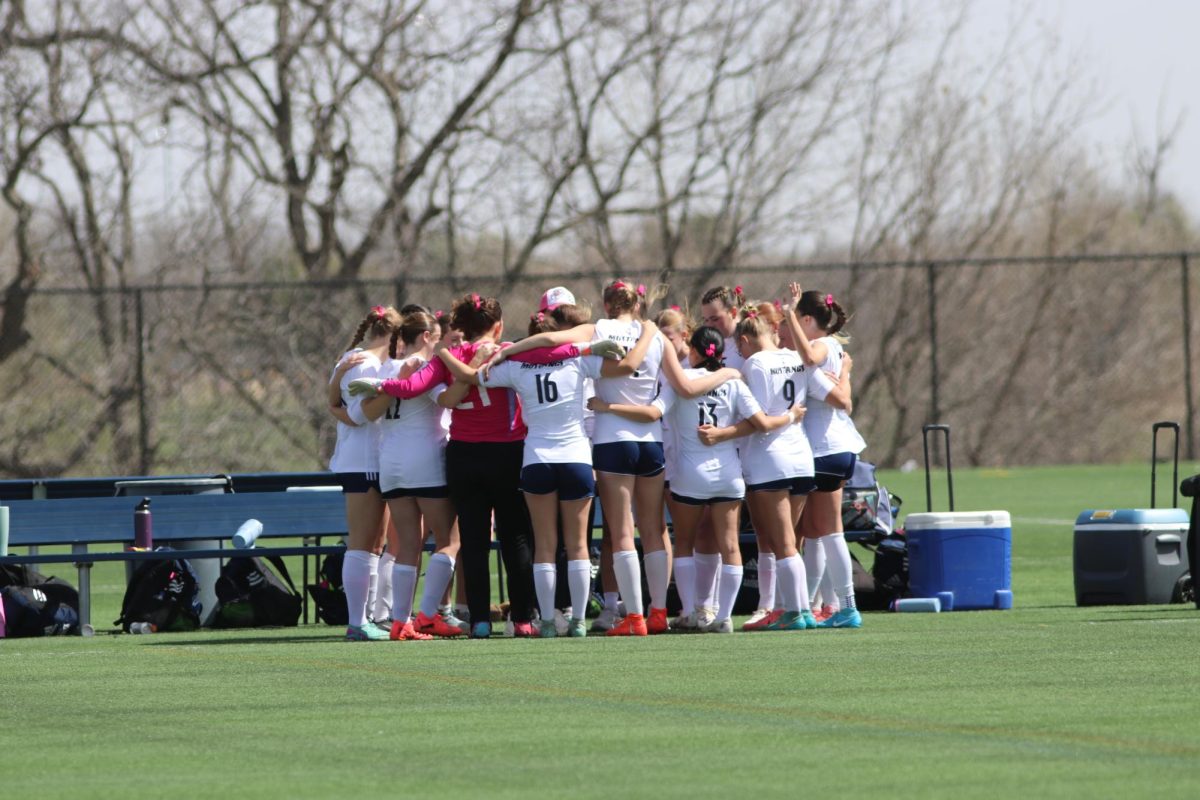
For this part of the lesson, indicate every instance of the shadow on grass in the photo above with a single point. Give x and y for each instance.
(169, 640)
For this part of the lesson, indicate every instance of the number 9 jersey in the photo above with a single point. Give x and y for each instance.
(778, 380)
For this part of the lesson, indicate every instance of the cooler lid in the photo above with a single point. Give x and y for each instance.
(946, 520)
(1100, 518)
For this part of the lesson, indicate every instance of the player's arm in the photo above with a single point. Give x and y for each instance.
(810, 352)
(580, 333)
(334, 390)
(689, 388)
(634, 413)
(375, 407)
(757, 422)
(835, 389)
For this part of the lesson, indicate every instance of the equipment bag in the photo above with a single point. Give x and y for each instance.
(250, 594)
(49, 608)
(164, 593)
(328, 594)
(866, 505)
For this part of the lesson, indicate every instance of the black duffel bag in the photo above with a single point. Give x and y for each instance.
(251, 595)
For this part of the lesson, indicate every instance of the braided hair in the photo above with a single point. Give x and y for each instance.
(380, 321)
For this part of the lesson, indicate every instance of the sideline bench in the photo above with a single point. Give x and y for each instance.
(81, 522)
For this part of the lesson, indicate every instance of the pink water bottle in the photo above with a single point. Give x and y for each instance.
(142, 536)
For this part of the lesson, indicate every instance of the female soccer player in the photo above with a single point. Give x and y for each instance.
(814, 321)
(356, 460)
(556, 473)
(412, 475)
(707, 476)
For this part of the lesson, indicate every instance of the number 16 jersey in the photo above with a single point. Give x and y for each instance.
(552, 405)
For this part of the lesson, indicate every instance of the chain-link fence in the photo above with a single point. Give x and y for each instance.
(1051, 360)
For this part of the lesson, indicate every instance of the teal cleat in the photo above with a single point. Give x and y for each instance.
(546, 629)
(367, 632)
(481, 630)
(809, 619)
(845, 618)
(577, 628)
(788, 621)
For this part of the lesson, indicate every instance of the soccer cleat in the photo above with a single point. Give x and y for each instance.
(656, 621)
(763, 623)
(366, 633)
(704, 615)
(823, 613)
(523, 630)
(436, 626)
(684, 623)
(481, 630)
(788, 621)
(631, 625)
(602, 623)
(405, 632)
(720, 626)
(577, 628)
(547, 629)
(809, 620)
(846, 618)
(758, 615)
(451, 618)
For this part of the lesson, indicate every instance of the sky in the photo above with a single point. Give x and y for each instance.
(1145, 57)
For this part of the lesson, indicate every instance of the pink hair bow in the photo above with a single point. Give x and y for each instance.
(439, 314)
(379, 311)
(641, 290)
(711, 350)
(477, 301)
(829, 300)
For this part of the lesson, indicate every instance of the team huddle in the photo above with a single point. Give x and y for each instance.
(445, 428)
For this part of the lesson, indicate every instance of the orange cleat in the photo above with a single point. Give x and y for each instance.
(405, 632)
(657, 621)
(631, 625)
(436, 626)
(823, 613)
(762, 622)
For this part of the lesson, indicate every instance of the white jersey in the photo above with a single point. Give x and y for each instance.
(357, 448)
(778, 381)
(830, 430)
(412, 441)
(732, 356)
(637, 389)
(551, 404)
(701, 471)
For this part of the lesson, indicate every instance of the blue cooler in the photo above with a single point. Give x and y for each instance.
(1129, 556)
(963, 558)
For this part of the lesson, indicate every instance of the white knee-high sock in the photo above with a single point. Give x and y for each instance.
(404, 581)
(766, 580)
(685, 583)
(373, 587)
(785, 594)
(579, 579)
(828, 595)
(383, 594)
(545, 580)
(814, 564)
(629, 579)
(707, 567)
(437, 577)
(731, 582)
(658, 576)
(841, 571)
(356, 581)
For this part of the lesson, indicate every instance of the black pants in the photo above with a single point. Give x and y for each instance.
(484, 477)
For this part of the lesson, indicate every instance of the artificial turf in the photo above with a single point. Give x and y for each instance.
(1046, 700)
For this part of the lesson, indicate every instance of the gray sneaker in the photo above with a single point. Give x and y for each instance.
(605, 621)
(719, 626)
(448, 615)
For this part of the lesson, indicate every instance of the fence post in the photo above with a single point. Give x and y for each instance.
(1189, 407)
(935, 411)
(139, 322)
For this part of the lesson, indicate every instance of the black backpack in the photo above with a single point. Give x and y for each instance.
(328, 594)
(49, 607)
(250, 594)
(164, 593)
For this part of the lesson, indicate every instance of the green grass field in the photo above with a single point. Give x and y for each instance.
(1046, 700)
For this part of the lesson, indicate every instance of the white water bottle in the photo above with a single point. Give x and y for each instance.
(247, 533)
(926, 604)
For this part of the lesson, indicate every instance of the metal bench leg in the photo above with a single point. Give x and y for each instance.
(85, 585)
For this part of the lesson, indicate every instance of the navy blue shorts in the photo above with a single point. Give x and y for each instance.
(642, 459)
(833, 469)
(803, 485)
(571, 481)
(358, 482)
(703, 501)
(426, 492)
